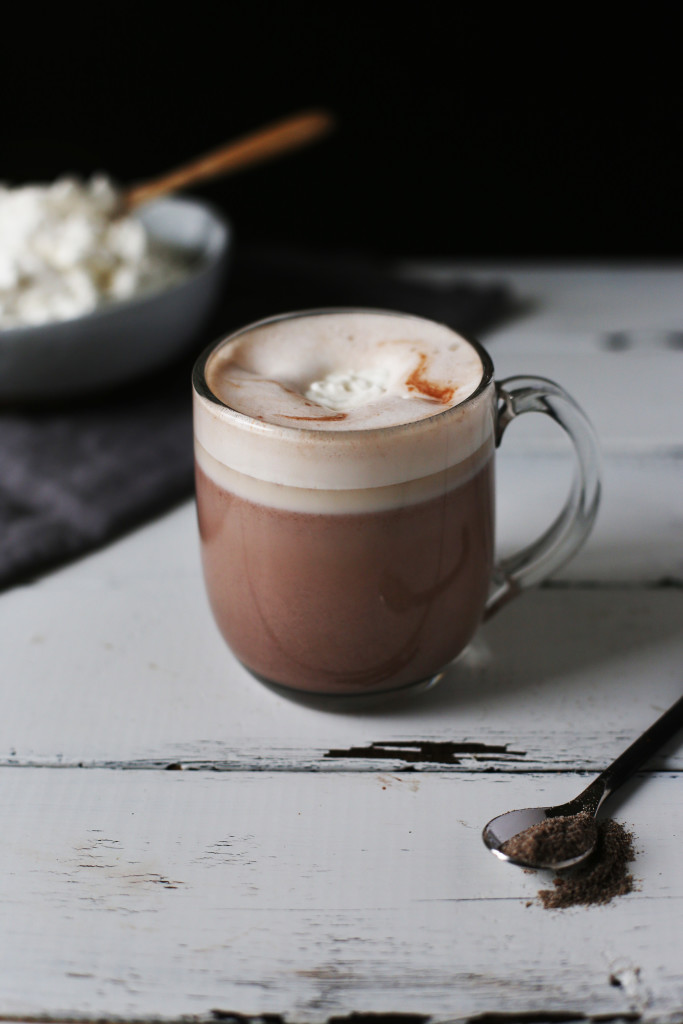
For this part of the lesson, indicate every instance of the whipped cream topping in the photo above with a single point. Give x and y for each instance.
(65, 249)
(341, 391)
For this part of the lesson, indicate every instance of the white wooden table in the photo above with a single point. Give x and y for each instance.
(179, 841)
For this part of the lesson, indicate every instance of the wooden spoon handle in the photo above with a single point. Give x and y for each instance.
(263, 144)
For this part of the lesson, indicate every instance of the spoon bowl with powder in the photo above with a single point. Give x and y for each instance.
(566, 835)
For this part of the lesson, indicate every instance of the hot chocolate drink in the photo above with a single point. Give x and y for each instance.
(345, 497)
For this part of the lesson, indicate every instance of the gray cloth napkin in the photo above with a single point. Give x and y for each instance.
(74, 477)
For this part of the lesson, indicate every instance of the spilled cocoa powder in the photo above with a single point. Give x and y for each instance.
(599, 879)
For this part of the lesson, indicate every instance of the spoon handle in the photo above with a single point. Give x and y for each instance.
(263, 144)
(633, 757)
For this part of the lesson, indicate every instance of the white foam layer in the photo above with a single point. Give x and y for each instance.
(385, 369)
(335, 501)
(354, 451)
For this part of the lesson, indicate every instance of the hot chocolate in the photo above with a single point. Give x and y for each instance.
(345, 497)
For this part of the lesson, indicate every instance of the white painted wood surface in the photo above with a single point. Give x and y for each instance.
(311, 863)
(169, 893)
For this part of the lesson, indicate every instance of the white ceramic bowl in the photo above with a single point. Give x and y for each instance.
(124, 340)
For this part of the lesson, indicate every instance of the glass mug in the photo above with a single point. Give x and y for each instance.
(361, 560)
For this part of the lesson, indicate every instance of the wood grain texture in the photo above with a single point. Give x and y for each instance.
(166, 893)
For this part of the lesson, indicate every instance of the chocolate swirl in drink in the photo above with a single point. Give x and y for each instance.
(345, 497)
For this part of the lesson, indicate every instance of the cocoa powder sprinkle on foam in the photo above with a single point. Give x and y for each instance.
(418, 382)
(332, 418)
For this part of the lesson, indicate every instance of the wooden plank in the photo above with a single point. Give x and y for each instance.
(565, 329)
(637, 535)
(576, 298)
(631, 398)
(560, 679)
(158, 893)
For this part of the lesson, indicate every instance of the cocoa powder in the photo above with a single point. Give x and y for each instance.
(599, 879)
(553, 840)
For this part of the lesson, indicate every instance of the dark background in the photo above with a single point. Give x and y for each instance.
(461, 133)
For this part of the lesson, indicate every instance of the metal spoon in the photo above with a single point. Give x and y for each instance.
(503, 828)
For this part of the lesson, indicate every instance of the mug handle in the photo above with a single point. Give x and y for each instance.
(517, 395)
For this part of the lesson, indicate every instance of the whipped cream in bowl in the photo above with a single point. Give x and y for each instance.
(66, 249)
(90, 296)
